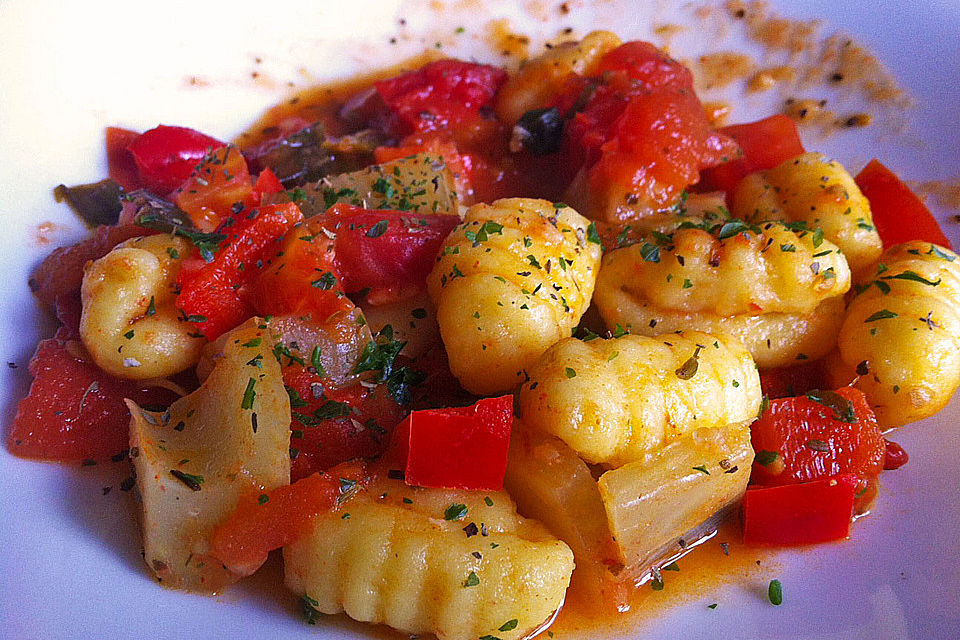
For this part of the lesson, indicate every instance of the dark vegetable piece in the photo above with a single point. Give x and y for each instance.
(155, 213)
(95, 203)
(309, 154)
(538, 131)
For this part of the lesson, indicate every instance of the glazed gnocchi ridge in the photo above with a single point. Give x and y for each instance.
(464, 340)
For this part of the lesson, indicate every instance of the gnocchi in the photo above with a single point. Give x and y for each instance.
(615, 400)
(813, 189)
(511, 280)
(779, 291)
(900, 338)
(458, 564)
(129, 323)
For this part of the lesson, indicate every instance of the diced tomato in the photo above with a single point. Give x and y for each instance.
(643, 135)
(217, 188)
(61, 273)
(446, 94)
(381, 249)
(816, 439)
(794, 380)
(805, 513)
(764, 145)
(456, 448)
(165, 156)
(644, 63)
(266, 184)
(895, 456)
(362, 422)
(75, 411)
(303, 278)
(120, 163)
(210, 291)
(898, 214)
(264, 521)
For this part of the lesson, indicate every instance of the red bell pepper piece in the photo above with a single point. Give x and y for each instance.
(898, 214)
(765, 144)
(382, 249)
(818, 435)
(303, 279)
(218, 187)
(165, 156)
(267, 183)
(805, 513)
(446, 94)
(264, 521)
(318, 444)
(120, 163)
(456, 448)
(210, 290)
(75, 411)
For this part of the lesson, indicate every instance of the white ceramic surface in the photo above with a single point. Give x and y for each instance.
(69, 556)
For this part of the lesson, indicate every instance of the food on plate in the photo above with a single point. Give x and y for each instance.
(512, 279)
(900, 337)
(463, 338)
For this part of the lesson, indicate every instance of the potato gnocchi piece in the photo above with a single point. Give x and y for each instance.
(511, 280)
(812, 189)
(129, 323)
(193, 461)
(458, 564)
(901, 334)
(615, 400)
(778, 291)
(542, 78)
(422, 183)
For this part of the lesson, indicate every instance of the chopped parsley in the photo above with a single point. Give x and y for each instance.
(455, 511)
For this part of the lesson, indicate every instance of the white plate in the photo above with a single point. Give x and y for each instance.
(69, 556)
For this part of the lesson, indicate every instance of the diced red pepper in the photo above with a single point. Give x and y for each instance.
(323, 443)
(456, 448)
(303, 279)
(120, 163)
(795, 514)
(267, 183)
(382, 249)
(210, 291)
(898, 214)
(61, 273)
(75, 411)
(765, 144)
(446, 94)
(814, 440)
(218, 188)
(895, 456)
(264, 521)
(644, 63)
(165, 156)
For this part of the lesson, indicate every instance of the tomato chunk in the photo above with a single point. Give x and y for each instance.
(821, 434)
(446, 94)
(382, 249)
(267, 183)
(210, 288)
(898, 214)
(805, 513)
(764, 145)
(895, 456)
(266, 521)
(165, 156)
(218, 187)
(456, 448)
(75, 411)
(335, 425)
